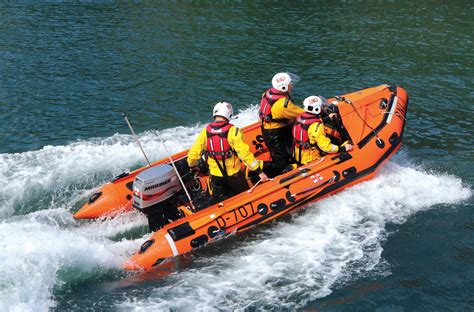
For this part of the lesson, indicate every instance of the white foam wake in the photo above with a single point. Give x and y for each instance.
(40, 239)
(304, 258)
(336, 239)
(74, 169)
(37, 247)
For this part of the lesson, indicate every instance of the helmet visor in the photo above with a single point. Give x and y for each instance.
(294, 78)
(324, 100)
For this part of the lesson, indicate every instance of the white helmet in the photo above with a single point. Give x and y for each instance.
(282, 81)
(223, 109)
(313, 104)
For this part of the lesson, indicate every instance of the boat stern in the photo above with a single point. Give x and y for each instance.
(156, 250)
(104, 202)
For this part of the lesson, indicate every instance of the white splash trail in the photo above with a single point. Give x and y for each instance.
(336, 239)
(304, 258)
(27, 176)
(37, 245)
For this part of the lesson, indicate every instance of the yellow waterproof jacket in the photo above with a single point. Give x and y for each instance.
(281, 111)
(233, 163)
(317, 136)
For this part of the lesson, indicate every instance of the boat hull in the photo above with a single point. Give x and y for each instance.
(374, 119)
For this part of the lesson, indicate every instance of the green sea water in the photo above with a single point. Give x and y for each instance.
(68, 70)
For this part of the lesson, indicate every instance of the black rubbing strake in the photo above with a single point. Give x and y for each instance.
(122, 175)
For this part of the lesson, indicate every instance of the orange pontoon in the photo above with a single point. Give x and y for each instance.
(372, 119)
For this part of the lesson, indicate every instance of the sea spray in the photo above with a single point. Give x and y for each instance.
(337, 239)
(67, 174)
(330, 242)
(48, 243)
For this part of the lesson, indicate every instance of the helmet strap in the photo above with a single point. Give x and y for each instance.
(220, 118)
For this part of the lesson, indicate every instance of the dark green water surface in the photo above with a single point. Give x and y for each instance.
(68, 69)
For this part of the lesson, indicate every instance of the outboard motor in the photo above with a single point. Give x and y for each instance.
(154, 193)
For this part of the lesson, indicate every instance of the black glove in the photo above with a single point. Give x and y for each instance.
(194, 170)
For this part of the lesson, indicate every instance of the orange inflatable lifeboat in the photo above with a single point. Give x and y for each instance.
(372, 119)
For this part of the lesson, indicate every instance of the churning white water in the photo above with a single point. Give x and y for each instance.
(331, 241)
(327, 243)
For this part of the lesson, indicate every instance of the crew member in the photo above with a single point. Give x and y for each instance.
(225, 149)
(277, 112)
(309, 138)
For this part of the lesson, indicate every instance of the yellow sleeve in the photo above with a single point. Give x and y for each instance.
(318, 136)
(198, 147)
(236, 140)
(290, 112)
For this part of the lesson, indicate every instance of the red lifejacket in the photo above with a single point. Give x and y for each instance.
(300, 130)
(268, 99)
(218, 146)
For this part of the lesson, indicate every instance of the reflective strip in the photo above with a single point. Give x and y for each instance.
(390, 114)
(172, 245)
(253, 164)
